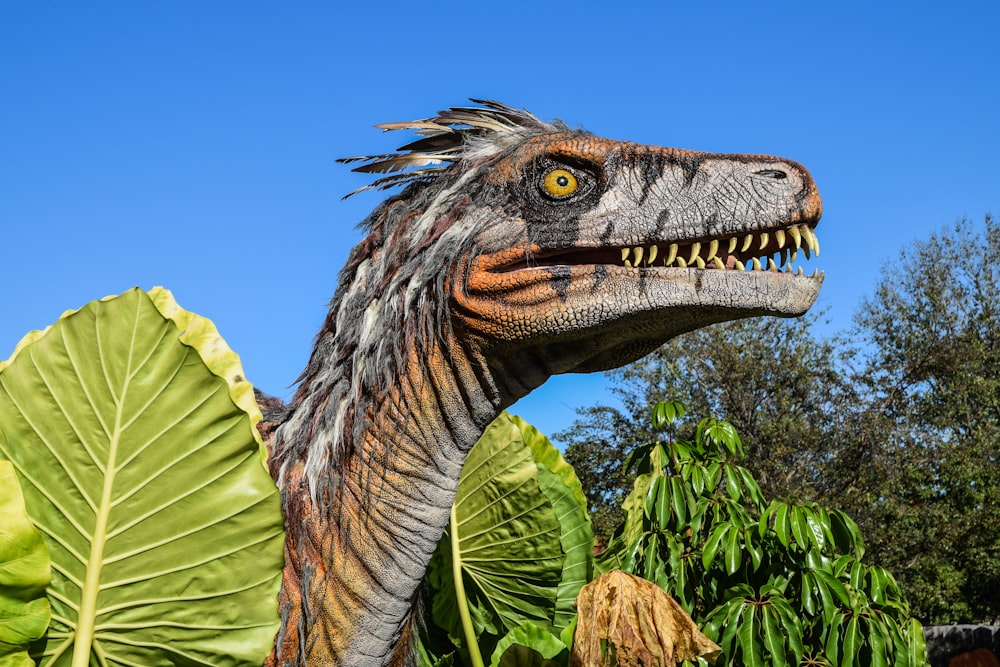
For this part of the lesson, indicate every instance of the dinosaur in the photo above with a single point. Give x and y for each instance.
(518, 249)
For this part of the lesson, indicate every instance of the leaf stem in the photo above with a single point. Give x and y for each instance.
(87, 618)
(471, 640)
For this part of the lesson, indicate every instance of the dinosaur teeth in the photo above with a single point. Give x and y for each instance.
(695, 249)
(776, 251)
(793, 231)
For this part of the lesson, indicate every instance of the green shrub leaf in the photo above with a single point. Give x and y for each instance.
(529, 645)
(132, 431)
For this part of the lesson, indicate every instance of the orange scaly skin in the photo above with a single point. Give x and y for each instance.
(473, 286)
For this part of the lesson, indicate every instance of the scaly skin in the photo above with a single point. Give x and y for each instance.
(470, 290)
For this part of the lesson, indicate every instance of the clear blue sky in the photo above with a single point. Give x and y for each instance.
(192, 144)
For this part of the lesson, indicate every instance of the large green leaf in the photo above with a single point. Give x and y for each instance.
(501, 557)
(24, 574)
(131, 429)
(562, 487)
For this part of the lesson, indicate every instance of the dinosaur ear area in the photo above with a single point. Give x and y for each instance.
(560, 183)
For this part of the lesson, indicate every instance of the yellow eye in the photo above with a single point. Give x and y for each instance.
(560, 183)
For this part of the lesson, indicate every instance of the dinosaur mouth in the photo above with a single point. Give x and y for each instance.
(772, 250)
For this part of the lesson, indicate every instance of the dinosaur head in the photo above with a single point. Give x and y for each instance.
(573, 253)
(521, 249)
(604, 249)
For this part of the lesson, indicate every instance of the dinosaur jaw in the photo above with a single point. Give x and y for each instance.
(585, 309)
(774, 250)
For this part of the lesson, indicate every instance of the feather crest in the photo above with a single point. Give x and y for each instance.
(444, 140)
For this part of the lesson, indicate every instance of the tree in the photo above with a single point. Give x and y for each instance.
(776, 381)
(929, 372)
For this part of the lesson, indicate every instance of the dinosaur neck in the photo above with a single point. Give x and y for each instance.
(355, 556)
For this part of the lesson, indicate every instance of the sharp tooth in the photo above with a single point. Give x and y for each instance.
(796, 236)
(695, 249)
(756, 265)
(783, 257)
(625, 253)
(794, 256)
(699, 262)
(638, 252)
(788, 269)
(771, 266)
(718, 263)
(799, 272)
(681, 263)
(780, 236)
(747, 240)
(740, 266)
(653, 252)
(815, 273)
(763, 240)
(671, 255)
(732, 244)
(713, 250)
(811, 241)
(628, 264)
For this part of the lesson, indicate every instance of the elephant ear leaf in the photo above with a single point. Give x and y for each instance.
(564, 491)
(519, 545)
(24, 574)
(131, 430)
(501, 558)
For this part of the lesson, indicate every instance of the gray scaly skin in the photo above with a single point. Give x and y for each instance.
(518, 250)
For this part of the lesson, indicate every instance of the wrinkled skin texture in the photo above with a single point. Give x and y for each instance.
(470, 290)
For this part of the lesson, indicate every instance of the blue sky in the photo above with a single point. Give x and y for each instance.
(192, 144)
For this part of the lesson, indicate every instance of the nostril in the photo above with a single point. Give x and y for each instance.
(774, 174)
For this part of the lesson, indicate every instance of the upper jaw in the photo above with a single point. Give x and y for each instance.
(774, 250)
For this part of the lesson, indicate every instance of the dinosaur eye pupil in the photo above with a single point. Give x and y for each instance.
(560, 183)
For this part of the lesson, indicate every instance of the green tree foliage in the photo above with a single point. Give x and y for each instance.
(779, 583)
(930, 372)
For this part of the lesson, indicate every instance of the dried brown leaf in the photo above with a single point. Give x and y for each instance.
(626, 621)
